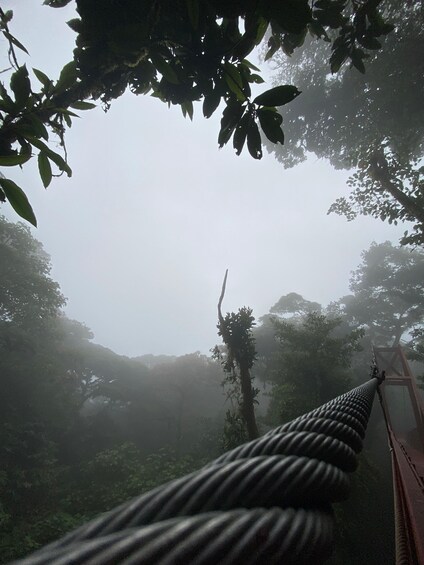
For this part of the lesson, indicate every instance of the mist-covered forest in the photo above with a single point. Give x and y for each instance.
(83, 429)
(154, 217)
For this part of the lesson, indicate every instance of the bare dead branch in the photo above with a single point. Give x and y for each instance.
(221, 298)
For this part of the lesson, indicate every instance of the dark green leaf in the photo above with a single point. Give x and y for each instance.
(21, 86)
(67, 78)
(56, 3)
(45, 169)
(230, 118)
(66, 112)
(18, 200)
(83, 105)
(15, 42)
(247, 63)
(13, 160)
(8, 16)
(331, 17)
(378, 25)
(32, 126)
(274, 45)
(234, 80)
(256, 78)
(385, 28)
(317, 30)
(369, 42)
(245, 44)
(211, 103)
(277, 96)
(291, 15)
(271, 125)
(357, 61)
(44, 79)
(240, 133)
(6, 101)
(164, 68)
(337, 58)
(68, 120)
(55, 157)
(292, 41)
(75, 24)
(187, 108)
(254, 143)
(262, 27)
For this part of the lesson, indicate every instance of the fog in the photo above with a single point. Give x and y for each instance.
(154, 213)
(139, 240)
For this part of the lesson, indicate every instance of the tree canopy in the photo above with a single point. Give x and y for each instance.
(312, 363)
(27, 294)
(388, 293)
(371, 122)
(180, 52)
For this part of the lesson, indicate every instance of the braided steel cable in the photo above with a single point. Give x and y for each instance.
(238, 537)
(308, 444)
(325, 426)
(258, 482)
(224, 512)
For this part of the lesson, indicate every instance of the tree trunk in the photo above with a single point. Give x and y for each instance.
(379, 172)
(248, 409)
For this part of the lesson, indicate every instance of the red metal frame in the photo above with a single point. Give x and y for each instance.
(408, 460)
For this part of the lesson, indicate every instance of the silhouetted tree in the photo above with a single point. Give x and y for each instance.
(372, 123)
(238, 358)
(180, 52)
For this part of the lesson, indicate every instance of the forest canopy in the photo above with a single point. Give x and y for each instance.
(370, 123)
(179, 52)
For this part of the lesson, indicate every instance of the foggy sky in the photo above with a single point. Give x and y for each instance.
(140, 237)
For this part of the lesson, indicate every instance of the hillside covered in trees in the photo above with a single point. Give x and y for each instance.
(83, 429)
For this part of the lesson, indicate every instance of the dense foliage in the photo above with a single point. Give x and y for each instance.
(313, 364)
(387, 294)
(180, 52)
(81, 428)
(371, 123)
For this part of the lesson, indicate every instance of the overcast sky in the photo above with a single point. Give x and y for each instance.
(140, 237)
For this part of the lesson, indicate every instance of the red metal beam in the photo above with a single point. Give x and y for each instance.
(407, 446)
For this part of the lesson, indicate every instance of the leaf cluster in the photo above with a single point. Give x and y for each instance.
(370, 197)
(351, 117)
(387, 293)
(28, 118)
(179, 52)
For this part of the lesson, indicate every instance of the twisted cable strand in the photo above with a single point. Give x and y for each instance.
(307, 444)
(238, 537)
(325, 426)
(249, 483)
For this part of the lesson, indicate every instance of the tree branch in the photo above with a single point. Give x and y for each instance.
(221, 298)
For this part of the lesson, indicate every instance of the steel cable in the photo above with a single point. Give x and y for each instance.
(237, 537)
(307, 444)
(224, 513)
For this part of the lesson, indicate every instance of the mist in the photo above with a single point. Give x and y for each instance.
(127, 361)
